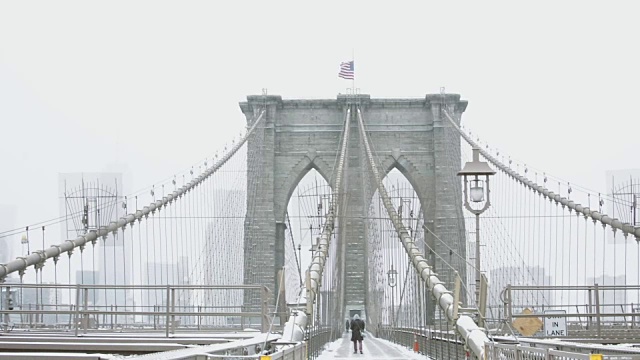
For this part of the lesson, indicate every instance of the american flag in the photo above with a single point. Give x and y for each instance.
(346, 70)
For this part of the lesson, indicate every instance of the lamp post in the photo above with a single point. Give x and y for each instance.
(23, 241)
(635, 206)
(391, 280)
(408, 205)
(314, 248)
(474, 172)
(300, 263)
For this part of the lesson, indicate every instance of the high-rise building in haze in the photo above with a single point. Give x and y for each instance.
(90, 201)
(9, 245)
(616, 300)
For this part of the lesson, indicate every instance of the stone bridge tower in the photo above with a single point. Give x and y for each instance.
(299, 135)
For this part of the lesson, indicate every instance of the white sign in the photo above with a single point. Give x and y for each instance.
(555, 325)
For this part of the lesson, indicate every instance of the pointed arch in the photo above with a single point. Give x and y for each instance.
(418, 181)
(294, 176)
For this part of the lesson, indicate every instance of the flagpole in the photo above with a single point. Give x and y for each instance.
(353, 81)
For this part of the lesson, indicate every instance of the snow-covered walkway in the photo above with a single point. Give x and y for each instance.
(372, 348)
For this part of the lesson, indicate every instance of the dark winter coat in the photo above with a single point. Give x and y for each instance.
(357, 328)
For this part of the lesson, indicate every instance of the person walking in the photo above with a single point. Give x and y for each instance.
(347, 326)
(357, 329)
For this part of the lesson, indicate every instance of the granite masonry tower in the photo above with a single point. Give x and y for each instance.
(300, 135)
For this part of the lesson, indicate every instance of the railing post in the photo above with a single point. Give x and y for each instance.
(77, 317)
(38, 291)
(509, 305)
(633, 316)
(482, 304)
(263, 296)
(85, 307)
(71, 312)
(590, 321)
(6, 315)
(22, 317)
(173, 310)
(30, 316)
(168, 312)
(624, 312)
(596, 294)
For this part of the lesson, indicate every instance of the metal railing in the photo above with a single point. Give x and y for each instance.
(599, 316)
(292, 352)
(262, 346)
(180, 307)
(436, 344)
(317, 336)
(446, 345)
(494, 351)
(297, 352)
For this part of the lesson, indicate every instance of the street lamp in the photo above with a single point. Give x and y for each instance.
(474, 172)
(315, 247)
(23, 241)
(391, 280)
(300, 262)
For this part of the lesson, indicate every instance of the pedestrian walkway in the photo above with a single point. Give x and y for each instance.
(372, 348)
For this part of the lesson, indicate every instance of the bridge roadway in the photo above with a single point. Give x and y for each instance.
(98, 347)
(372, 347)
(103, 346)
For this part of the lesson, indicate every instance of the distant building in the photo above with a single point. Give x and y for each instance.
(32, 298)
(9, 245)
(499, 278)
(6, 253)
(90, 201)
(162, 274)
(88, 277)
(613, 300)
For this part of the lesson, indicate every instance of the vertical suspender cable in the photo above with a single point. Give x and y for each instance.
(320, 256)
(473, 336)
(35, 258)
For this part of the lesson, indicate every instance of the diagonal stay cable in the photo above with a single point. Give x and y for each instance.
(584, 210)
(295, 254)
(317, 264)
(473, 336)
(41, 256)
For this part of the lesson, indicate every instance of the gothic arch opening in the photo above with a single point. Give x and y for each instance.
(307, 205)
(392, 270)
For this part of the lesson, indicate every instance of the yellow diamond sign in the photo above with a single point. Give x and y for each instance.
(529, 325)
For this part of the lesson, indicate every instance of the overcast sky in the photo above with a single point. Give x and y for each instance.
(151, 87)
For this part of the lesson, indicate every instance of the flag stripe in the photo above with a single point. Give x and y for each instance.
(347, 70)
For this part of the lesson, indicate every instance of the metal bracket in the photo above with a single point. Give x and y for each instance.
(307, 283)
(482, 305)
(456, 296)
